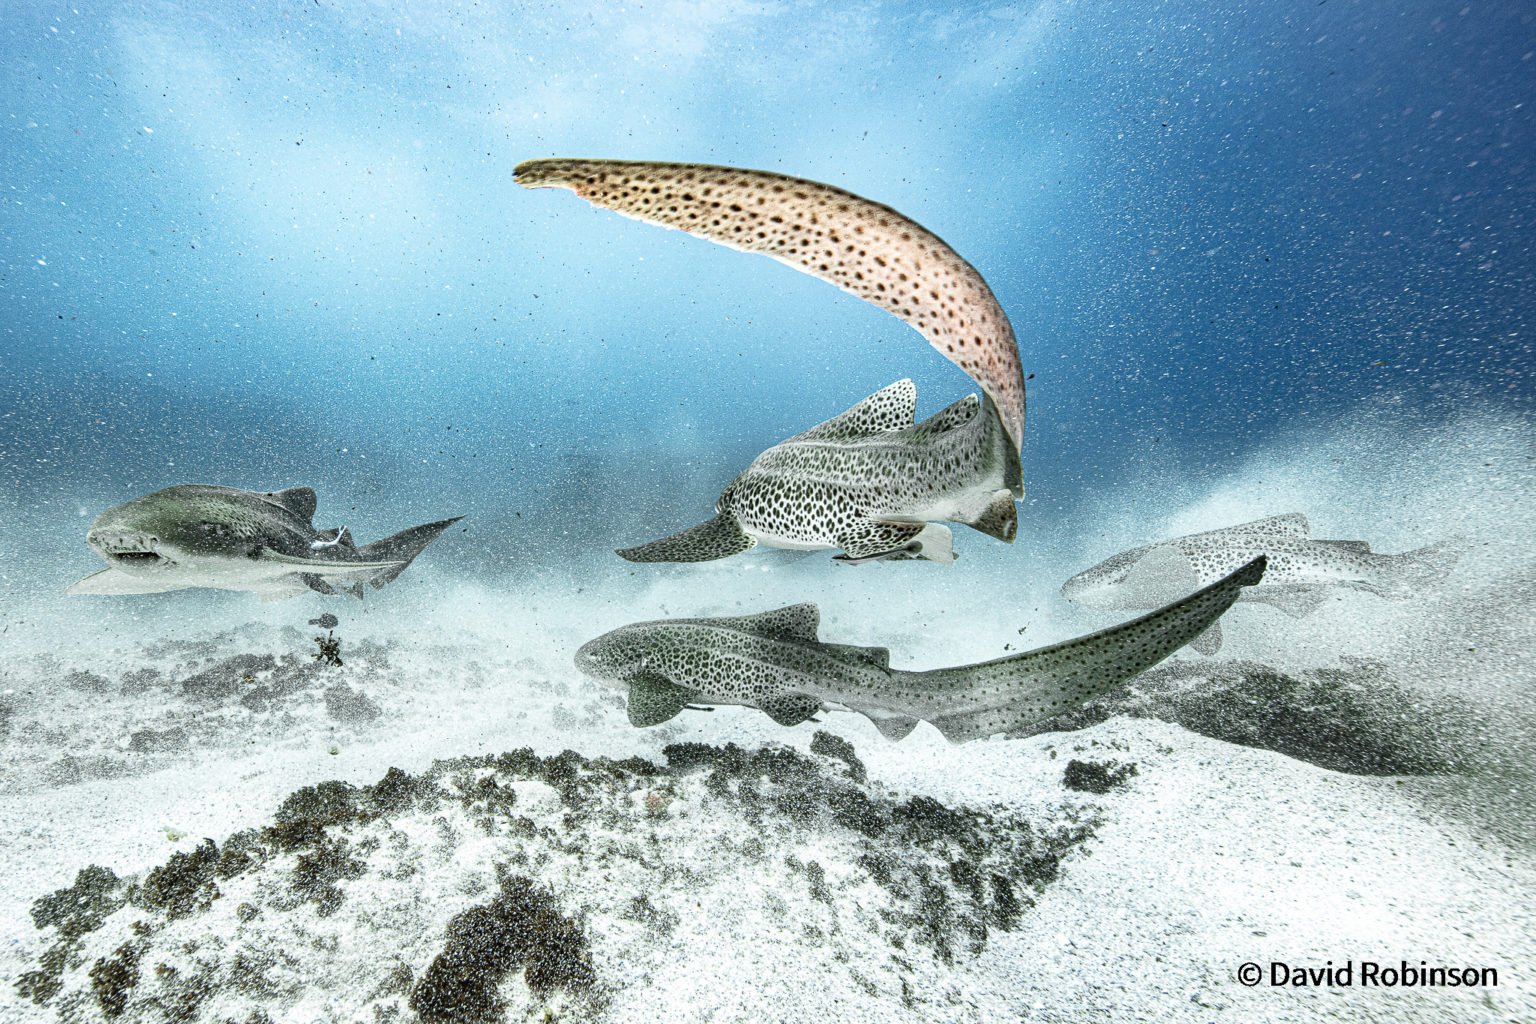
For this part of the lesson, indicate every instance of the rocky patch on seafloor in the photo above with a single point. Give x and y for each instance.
(522, 887)
(1354, 718)
(158, 705)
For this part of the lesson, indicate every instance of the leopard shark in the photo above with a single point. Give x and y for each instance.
(868, 481)
(205, 535)
(776, 663)
(862, 247)
(1303, 571)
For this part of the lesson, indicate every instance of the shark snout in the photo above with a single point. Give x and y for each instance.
(606, 660)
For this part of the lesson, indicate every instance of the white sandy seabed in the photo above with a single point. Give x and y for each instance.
(707, 895)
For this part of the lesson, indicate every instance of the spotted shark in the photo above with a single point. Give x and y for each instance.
(203, 535)
(775, 662)
(869, 481)
(862, 247)
(1302, 571)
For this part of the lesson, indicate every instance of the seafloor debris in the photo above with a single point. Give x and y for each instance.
(1096, 776)
(578, 889)
(330, 649)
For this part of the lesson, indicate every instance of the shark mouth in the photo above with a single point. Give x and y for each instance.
(136, 558)
(129, 552)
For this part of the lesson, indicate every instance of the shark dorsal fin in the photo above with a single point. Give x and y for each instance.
(301, 501)
(1290, 524)
(890, 408)
(793, 622)
(951, 417)
(654, 699)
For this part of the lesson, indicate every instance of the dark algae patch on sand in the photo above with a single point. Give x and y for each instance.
(1095, 776)
(522, 928)
(521, 886)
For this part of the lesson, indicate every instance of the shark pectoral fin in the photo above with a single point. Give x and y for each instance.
(873, 540)
(319, 584)
(721, 537)
(791, 708)
(892, 726)
(1209, 642)
(654, 699)
(1000, 519)
(115, 581)
(331, 585)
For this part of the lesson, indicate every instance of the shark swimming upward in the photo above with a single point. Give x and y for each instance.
(861, 246)
(1302, 571)
(202, 535)
(775, 662)
(869, 481)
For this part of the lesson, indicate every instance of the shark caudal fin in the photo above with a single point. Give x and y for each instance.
(720, 537)
(975, 701)
(1413, 572)
(1004, 450)
(402, 548)
(860, 246)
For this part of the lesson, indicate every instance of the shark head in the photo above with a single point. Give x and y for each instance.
(204, 535)
(180, 527)
(617, 656)
(1140, 578)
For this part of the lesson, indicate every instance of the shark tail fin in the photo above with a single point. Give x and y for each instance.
(720, 537)
(974, 701)
(1005, 448)
(403, 547)
(1414, 571)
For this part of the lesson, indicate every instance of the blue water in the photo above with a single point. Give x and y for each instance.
(275, 244)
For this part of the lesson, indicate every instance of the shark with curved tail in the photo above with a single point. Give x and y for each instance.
(776, 663)
(863, 247)
(871, 481)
